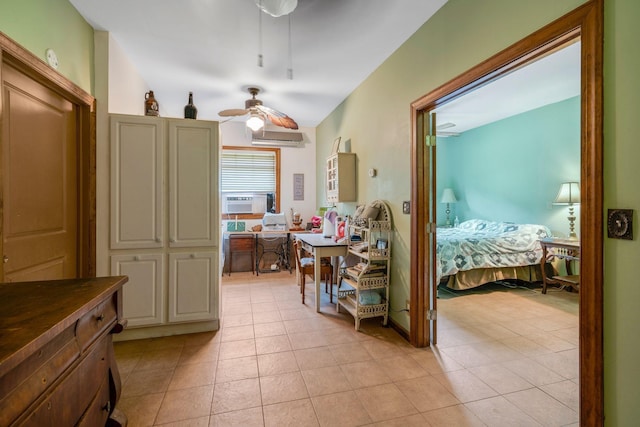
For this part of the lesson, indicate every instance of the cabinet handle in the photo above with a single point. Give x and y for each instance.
(172, 240)
(192, 255)
(100, 317)
(136, 258)
(159, 240)
(5, 259)
(107, 406)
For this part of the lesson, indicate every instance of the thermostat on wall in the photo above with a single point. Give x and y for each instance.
(52, 58)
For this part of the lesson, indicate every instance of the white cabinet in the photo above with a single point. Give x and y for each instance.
(137, 173)
(189, 300)
(164, 217)
(341, 178)
(143, 297)
(193, 183)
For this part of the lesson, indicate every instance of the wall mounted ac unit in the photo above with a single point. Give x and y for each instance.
(276, 139)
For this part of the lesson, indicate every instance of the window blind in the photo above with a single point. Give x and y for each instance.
(245, 171)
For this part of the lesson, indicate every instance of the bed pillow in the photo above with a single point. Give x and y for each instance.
(370, 212)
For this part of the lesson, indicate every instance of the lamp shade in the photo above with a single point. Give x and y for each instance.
(277, 8)
(448, 196)
(568, 194)
(255, 122)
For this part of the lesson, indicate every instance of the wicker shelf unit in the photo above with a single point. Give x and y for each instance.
(371, 244)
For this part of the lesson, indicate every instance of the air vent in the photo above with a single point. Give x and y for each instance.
(277, 139)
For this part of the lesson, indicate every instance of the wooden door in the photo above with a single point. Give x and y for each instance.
(39, 181)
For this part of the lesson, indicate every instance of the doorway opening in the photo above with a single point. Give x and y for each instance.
(584, 22)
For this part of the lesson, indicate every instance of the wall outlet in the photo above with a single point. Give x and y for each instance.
(406, 208)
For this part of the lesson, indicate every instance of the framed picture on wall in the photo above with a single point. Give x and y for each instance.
(298, 186)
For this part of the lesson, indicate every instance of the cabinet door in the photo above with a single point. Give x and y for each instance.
(193, 286)
(341, 178)
(137, 145)
(193, 183)
(142, 295)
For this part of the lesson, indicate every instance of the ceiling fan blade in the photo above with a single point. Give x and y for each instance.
(278, 118)
(233, 112)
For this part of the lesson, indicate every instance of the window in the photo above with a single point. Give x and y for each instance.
(249, 181)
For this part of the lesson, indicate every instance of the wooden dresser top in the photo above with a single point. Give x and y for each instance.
(33, 313)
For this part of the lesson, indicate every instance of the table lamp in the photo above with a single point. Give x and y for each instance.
(448, 197)
(569, 194)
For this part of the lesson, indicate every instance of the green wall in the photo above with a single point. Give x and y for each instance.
(41, 24)
(376, 116)
(376, 120)
(622, 174)
(526, 156)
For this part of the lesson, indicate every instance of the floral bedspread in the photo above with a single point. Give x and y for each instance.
(487, 244)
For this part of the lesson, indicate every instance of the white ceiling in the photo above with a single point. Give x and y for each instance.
(551, 79)
(210, 47)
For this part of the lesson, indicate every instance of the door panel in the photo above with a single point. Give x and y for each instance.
(143, 294)
(430, 175)
(137, 170)
(192, 286)
(39, 174)
(193, 174)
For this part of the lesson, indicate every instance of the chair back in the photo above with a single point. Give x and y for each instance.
(296, 251)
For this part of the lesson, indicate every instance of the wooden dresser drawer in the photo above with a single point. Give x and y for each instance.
(93, 370)
(241, 243)
(20, 387)
(68, 401)
(99, 408)
(92, 324)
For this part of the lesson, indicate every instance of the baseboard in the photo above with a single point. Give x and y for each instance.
(166, 330)
(399, 329)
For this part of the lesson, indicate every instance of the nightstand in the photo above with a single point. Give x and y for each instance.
(566, 249)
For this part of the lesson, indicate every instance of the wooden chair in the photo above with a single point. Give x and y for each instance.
(306, 266)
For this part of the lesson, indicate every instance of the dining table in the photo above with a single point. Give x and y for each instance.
(321, 246)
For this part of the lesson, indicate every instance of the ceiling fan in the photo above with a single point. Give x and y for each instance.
(259, 112)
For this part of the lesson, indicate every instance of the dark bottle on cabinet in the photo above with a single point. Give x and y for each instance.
(190, 110)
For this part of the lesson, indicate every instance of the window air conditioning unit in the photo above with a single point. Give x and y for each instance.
(276, 139)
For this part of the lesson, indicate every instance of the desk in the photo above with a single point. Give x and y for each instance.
(568, 250)
(320, 246)
(242, 243)
(283, 255)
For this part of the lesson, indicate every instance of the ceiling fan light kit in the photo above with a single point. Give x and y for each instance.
(277, 8)
(255, 122)
(259, 113)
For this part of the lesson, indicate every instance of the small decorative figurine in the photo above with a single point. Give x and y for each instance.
(150, 105)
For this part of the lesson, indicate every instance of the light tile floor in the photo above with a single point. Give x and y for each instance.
(504, 358)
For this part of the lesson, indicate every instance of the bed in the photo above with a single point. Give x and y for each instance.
(479, 251)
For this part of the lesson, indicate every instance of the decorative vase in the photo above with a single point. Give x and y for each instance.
(151, 107)
(190, 110)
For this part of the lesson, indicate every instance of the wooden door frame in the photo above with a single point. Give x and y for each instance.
(587, 22)
(30, 65)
